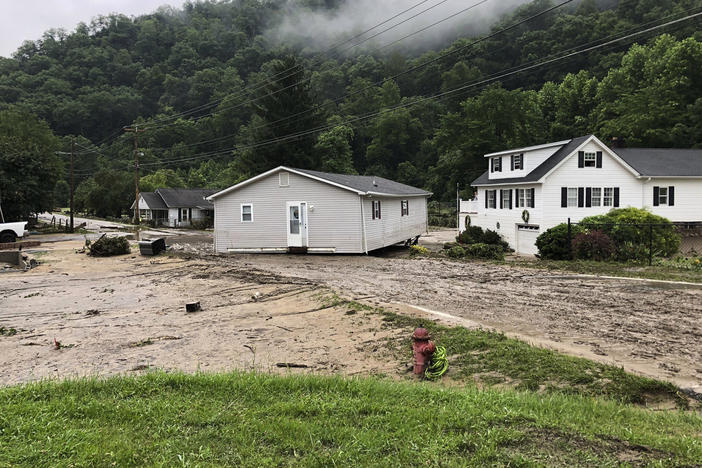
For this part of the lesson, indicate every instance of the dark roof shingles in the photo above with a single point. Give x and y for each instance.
(365, 183)
(185, 198)
(662, 162)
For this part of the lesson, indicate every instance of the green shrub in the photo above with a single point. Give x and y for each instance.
(553, 243)
(476, 235)
(448, 245)
(456, 252)
(486, 251)
(108, 246)
(593, 245)
(627, 227)
(683, 263)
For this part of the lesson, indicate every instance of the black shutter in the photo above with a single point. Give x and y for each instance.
(510, 198)
(671, 196)
(656, 195)
(485, 194)
(501, 207)
(533, 201)
(581, 197)
(564, 197)
(616, 197)
(588, 197)
(492, 165)
(407, 211)
(516, 198)
(599, 159)
(581, 158)
(511, 160)
(373, 209)
(380, 213)
(190, 214)
(180, 214)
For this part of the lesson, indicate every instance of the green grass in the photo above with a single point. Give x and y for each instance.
(492, 359)
(245, 419)
(659, 272)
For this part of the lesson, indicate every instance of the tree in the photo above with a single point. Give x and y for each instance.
(333, 150)
(29, 166)
(163, 178)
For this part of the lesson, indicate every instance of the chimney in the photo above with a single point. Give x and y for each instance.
(617, 142)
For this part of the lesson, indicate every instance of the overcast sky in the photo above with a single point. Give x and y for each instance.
(28, 19)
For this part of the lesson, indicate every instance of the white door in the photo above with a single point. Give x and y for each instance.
(297, 224)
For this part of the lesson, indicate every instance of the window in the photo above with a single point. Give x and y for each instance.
(506, 199)
(595, 196)
(184, 214)
(404, 208)
(376, 209)
(517, 162)
(590, 159)
(663, 196)
(608, 198)
(496, 164)
(491, 202)
(247, 213)
(284, 179)
(572, 196)
(525, 198)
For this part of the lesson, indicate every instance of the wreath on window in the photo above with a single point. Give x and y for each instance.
(467, 221)
(525, 216)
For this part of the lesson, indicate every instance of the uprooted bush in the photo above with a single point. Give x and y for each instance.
(593, 245)
(108, 246)
(553, 243)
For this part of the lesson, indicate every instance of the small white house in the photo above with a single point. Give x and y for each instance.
(288, 209)
(526, 191)
(175, 207)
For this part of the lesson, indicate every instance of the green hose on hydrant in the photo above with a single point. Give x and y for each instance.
(438, 365)
(429, 359)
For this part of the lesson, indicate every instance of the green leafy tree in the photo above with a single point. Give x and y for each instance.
(333, 150)
(29, 167)
(162, 178)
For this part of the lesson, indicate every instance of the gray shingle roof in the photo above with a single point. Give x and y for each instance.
(538, 172)
(366, 183)
(185, 198)
(153, 201)
(662, 162)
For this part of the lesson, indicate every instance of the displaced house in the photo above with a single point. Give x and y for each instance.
(175, 207)
(288, 209)
(526, 191)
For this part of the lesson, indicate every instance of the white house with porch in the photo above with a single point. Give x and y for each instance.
(526, 191)
(175, 207)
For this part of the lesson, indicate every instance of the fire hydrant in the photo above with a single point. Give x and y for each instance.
(423, 350)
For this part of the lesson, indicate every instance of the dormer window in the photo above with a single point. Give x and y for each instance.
(495, 164)
(517, 162)
(590, 159)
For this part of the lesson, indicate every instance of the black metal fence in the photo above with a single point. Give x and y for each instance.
(442, 214)
(653, 239)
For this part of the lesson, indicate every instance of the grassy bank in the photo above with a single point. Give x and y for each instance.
(657, 272)
(493, 360)
(262, 420)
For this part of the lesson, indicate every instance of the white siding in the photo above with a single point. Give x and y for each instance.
(532, 159)
(334, 215)
(687, 204)
(392, 228)
(611, 174)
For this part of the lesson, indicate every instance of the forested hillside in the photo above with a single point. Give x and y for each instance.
(219, 99)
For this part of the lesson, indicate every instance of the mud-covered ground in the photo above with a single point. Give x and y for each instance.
(647, 327)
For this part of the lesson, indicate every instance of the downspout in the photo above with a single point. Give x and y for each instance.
(426, 217)
(643, 193)
(363, 224)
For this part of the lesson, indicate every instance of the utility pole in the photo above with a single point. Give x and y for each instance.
(73, 149)
(136, 131)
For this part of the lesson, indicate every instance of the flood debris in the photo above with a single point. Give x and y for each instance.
(150, 247)
(193, 307)
(107, 246)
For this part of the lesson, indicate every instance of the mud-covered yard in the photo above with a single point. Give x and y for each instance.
(127, 313)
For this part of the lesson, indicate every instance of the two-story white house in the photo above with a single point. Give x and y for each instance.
(526, 191)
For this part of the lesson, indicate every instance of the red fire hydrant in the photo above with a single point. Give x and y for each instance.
(423, 350)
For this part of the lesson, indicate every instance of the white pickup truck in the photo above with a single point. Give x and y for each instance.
(10, 232)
